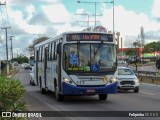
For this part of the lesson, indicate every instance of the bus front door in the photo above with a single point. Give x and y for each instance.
(37, 60)
(59, 65)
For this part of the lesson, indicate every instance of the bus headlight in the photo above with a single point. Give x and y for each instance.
(68, 81)
(114, 80)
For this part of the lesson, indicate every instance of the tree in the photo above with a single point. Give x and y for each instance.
(21, 59)
(153, 45)
(130, 52)
(137, 43)
(36, 41)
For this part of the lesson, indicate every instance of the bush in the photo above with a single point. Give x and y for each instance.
(11, 94)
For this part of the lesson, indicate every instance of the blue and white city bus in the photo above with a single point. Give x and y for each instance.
(77, 63)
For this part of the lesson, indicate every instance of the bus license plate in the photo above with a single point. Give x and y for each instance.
(91, 91)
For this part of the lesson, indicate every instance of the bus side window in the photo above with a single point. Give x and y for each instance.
(46, 50)
(40, 54)
(53, 51)
(50, 52)
(42, 59)
(37, 55)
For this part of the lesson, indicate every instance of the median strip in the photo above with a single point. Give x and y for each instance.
(147, 93)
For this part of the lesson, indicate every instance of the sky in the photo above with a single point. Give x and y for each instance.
(30, 19)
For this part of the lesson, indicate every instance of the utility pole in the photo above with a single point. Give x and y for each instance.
(11, 48)
(7, 48)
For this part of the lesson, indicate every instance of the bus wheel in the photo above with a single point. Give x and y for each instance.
(43, 91)
(59, 96)
(103, 96)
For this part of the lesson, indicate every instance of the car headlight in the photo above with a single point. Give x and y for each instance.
(136, 81)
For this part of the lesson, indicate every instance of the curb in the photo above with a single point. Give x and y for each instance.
(16, 71)
(154, 85)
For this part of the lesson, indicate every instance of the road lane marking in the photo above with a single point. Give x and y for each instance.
(147, 93)
(56, 109)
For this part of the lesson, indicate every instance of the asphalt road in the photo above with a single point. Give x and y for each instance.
(148, 99)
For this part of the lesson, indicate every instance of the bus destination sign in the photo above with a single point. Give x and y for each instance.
(90, 37)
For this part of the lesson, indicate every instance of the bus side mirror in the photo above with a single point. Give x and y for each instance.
(59, 48)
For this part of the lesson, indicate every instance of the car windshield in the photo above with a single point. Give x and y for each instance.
(122, 71)
(85, 57)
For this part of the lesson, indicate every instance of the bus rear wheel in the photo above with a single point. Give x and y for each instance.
(103, 96)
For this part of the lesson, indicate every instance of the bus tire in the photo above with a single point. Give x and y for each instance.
(43, 91)
(59, 96)
(103, 96)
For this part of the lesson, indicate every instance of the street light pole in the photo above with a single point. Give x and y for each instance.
(95, 13)
(113, 17)
(96, 9)
(87, 18)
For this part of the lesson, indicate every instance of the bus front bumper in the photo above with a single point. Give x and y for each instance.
(68, 89)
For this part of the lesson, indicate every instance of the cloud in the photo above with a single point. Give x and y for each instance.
(30, 10)
(21, 21)
(128, 23)
(56, 13)
(156, 9)
(26, 2)
(153, 35)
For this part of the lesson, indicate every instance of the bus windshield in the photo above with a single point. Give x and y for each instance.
(89, 57)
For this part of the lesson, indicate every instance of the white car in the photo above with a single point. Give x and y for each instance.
(23, 65)
(121, 61)
(31, 77)
(126, 79)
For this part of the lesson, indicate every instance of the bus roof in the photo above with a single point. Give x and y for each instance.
(61, 36)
